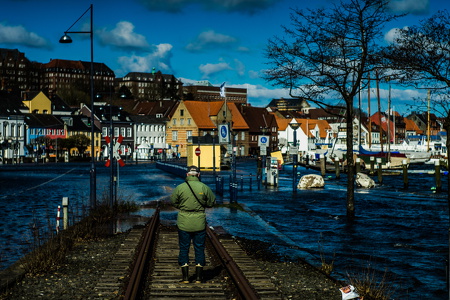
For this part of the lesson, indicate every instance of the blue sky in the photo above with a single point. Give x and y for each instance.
(214, 40)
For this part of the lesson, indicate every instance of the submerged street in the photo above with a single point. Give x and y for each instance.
(402, 232)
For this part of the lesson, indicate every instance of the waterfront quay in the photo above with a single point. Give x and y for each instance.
(391, 232)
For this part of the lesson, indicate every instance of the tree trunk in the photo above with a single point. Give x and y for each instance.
(447, 144)
(350, 164)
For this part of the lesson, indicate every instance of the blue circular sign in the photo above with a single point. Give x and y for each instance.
(264, 140)
(223, 131)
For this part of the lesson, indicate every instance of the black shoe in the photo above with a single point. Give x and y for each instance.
(198, 274)
(185, 273)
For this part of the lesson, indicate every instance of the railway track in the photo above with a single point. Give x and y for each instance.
(146, 267)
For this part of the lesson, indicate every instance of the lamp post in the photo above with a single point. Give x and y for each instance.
(65, 39)
(264, 157)
(294, 126)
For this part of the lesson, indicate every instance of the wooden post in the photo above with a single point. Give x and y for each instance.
(65, 204)
(405, 173)
(379, 165)
(437, 174)
(337, 167)
(372, 164)
(322, 165)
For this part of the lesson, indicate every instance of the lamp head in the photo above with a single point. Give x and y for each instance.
(65, 39)
(294, 126)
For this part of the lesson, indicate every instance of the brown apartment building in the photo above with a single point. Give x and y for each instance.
(205, 91)
(59, 74)
(17, 73)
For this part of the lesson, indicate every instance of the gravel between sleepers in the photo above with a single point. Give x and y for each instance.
(76, 278)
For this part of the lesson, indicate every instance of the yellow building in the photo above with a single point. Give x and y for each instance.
(193, 119)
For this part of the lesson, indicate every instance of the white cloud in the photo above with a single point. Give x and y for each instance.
(253, 74)
(391, 35)
(123, 36)
(210, 39)
(415, 7)
(209, 69)
(18, 35)
(239, 67)
(159, 58)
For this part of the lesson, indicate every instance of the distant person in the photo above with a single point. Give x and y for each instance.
(259, 167)
(191, 198)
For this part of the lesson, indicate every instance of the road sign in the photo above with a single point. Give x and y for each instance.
(115, 150)
(197, 151)
(159, 150)
(223, 134)
(263, 140)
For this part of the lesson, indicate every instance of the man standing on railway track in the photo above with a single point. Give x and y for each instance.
(192, 198)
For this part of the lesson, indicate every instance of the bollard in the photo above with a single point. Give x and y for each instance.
(379, 165)
(358, 165)
(323, 169)
(405, 173)
(58, 214)
(65, 204)
(217, 185)
(337, 167)
(372, 164)
(242, 183)
(437, 173)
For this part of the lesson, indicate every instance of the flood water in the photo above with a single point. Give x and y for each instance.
(399, 233)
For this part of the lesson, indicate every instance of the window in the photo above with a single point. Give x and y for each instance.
(174, 122)
(181, 122)
(181, 112)
(189, 121)
(188, 133)
(129, 133)
(105, 131)
(174, 135)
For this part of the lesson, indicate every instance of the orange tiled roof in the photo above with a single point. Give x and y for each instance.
(200, 113)
(308, 124)
(282, 122)
(411, 125)
(238, 119)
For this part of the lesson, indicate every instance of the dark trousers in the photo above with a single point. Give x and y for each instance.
(184, 242)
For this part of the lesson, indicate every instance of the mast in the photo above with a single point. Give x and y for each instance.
(428, 121)
(368, 109)
(379, 110)
(389, 123)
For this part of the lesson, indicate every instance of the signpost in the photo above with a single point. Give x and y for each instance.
(197, 152)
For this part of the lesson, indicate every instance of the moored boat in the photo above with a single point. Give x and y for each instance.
(389, 160)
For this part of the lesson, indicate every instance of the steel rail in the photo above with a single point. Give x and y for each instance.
(141, 260)
(243, 286)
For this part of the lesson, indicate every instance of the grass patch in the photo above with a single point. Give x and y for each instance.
(97, 224)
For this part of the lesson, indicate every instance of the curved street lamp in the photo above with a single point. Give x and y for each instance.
(294, 126)
(66, 39)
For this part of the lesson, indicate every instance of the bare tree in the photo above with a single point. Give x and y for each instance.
(326, 54)
(421, 55)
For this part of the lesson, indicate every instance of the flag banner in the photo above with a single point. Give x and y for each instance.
(222, 90)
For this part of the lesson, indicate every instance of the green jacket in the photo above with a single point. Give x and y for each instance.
(191, 216)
